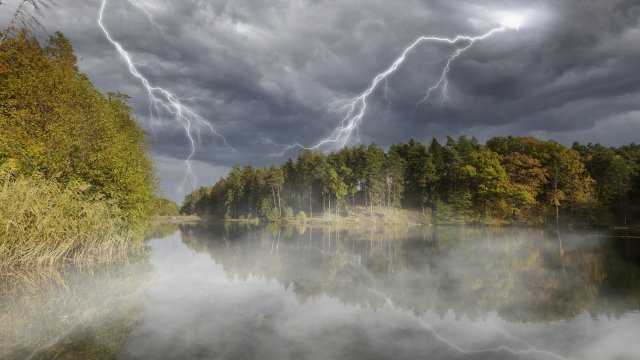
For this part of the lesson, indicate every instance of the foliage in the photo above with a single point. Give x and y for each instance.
(164, 207)
(54, 122)
(77, 184)
(508, 180)
(288, 212)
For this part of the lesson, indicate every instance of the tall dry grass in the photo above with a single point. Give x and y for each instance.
(44, 223)
(85, 313)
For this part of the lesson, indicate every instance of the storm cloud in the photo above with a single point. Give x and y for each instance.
(265, 72)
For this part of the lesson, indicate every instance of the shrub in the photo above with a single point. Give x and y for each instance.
(288, 212)
(268, 212)
(164, 207)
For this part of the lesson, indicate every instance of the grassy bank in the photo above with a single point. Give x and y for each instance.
(365, 215)
(44, 223)
(176, 218)
(355, 215)
(380, 215)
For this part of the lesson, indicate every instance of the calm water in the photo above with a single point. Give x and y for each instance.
(215, 292)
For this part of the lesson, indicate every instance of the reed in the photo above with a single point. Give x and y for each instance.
(81, 313)
(44, 223)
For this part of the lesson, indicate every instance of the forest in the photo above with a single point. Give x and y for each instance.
(508, 180)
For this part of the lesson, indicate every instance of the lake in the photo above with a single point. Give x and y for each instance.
(215, 291)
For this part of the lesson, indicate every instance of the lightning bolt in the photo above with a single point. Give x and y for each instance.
(161, 100)
(443, 81)
(149, 16)
(355, 109)
(529, 350)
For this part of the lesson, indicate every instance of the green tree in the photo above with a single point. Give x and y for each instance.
(571, 187)
(527, 176)
(234, 192)
(374, 179)
(491, 181)
(53, 121)
(395, 173)
(337, 187)
(275, 181)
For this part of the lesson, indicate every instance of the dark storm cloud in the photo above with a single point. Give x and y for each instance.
(265, 71)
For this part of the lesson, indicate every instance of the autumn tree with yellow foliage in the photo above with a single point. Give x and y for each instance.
(55, 126)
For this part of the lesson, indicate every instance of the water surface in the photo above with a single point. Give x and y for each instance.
(237, 292)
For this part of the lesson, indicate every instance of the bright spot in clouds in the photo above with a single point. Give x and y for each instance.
(517, 19)
(512, 20)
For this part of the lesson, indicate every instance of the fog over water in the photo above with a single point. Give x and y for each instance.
(236, 292)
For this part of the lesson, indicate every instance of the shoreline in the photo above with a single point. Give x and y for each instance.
(403, 217)
(177, 219)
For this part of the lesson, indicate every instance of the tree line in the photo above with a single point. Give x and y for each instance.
(507, 180)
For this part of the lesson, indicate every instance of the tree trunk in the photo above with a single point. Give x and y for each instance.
(273, 193)
(556, 200)
(371, 203)
(433, 210)
(324, 206)
(279, 203)
(310, 200)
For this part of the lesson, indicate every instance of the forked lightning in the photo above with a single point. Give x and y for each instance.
(162, 100)
(355, 109)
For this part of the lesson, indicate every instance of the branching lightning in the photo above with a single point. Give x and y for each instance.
(443, 81)
(354, 109)
(149, 16)
(162, 100)
(528, 350)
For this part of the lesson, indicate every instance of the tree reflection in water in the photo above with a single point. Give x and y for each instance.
(471, 271)
(247, 292)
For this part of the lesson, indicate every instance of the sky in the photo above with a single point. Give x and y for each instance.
(271, 73)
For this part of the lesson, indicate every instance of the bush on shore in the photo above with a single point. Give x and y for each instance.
(76, 181)
(45, 223)
(55, 122)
